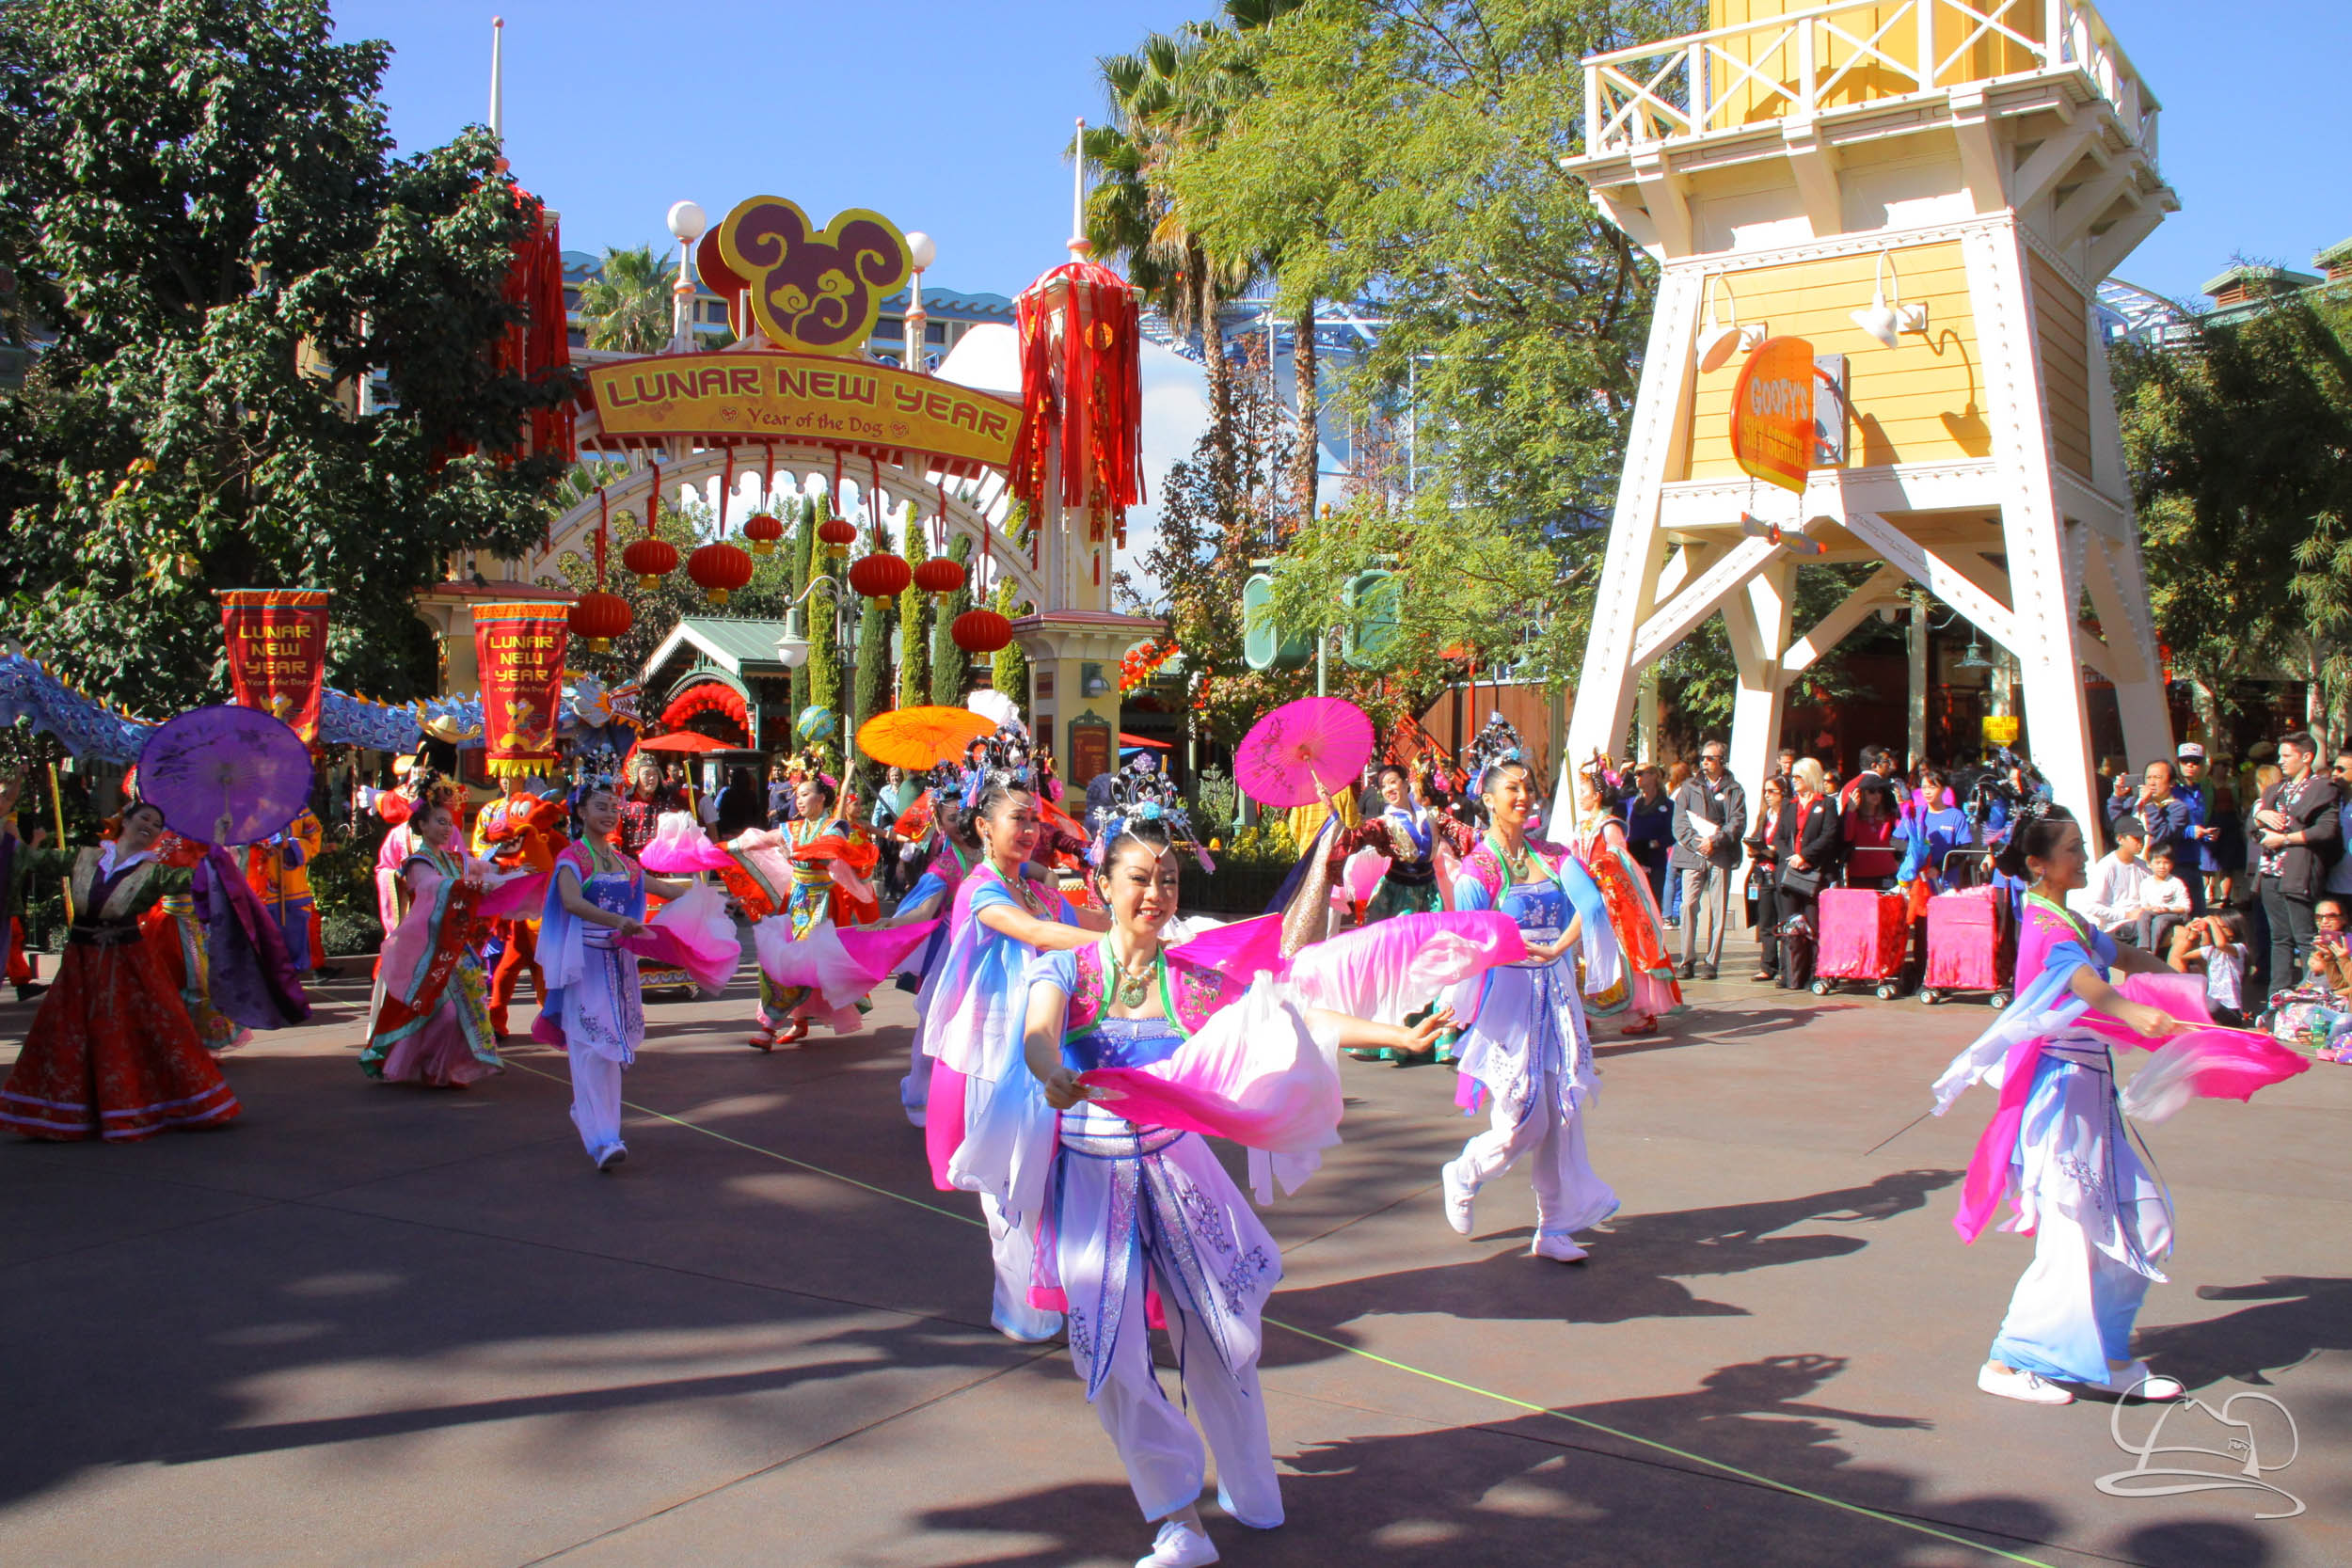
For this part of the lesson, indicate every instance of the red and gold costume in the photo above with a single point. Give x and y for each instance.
(112, 1052)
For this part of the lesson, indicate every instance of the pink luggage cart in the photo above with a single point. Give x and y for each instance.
(1866, 936)
(1968, 949)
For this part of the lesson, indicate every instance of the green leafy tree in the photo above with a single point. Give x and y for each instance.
(1410, 154)
(628, 306)
(199, 199)
(950, 665)
(2239, 446)
(915, 632)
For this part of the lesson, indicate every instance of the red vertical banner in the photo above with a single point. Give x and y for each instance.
(277, 641)
(520, 650)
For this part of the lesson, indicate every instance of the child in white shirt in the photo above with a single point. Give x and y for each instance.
(2163, 901)
(2217, 946)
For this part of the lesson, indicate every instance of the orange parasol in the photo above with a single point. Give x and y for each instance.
(919, 737)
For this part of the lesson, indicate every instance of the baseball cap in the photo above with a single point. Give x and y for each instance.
(2190, 749)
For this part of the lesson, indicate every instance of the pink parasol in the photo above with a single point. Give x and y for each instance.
(1298, 753)
(226, 775)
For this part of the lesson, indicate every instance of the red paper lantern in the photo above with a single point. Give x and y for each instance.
(836, 536)
(763, 531)
(651, 558)
(718, 570)
(600, 617)
(939, 574)
(880, 576)
(981, 631)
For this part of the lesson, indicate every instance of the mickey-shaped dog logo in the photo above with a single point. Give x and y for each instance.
(816, 290)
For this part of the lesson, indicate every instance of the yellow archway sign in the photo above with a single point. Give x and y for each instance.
(1771, 413)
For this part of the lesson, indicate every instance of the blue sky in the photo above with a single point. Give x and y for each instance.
(952, 118)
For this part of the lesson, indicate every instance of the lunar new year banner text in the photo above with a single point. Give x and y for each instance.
(520, 649)
(277, 639)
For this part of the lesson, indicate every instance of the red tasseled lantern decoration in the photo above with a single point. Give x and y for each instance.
(651, 558)
(836, 536)
(763, 531)
(600, 617)
(981, 631)
(718, 570)
(939, 574)
(881, 577)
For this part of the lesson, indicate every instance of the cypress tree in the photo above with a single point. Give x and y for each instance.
(796, 548)
(915, 629)
(1009, 666)
(870, 691)
(824, 653)
(950, 665)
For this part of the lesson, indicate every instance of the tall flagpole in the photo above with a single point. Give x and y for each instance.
(497, 106)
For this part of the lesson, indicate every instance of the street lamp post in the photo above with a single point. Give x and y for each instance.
(792, 649)
(922, 250)
(687, 224)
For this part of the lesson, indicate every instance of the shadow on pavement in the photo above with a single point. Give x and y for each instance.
(1636, 1270)
(2300, 1316)
(1540, 1490)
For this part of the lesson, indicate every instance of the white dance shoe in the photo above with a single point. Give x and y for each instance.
(2136, 1381)
(1459, 1198)
(1560, 1249)
(610, 1155)
(1179, 1545)
(2016, 1384)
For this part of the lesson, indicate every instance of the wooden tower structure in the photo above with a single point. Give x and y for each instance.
(1930, 191)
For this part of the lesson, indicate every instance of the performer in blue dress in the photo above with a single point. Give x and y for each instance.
(1523, 1039)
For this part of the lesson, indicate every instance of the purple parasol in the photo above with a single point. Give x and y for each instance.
(226, 775)
(1298, 754)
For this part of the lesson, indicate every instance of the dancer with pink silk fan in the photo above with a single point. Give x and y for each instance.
(2059, 1144)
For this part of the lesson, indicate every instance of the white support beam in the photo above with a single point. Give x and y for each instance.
(1619, 205)
(2081, 212)
(1935, 574)
(1669, 202)
(2122, 237)
(2050, 163)
(1980, 159)
(1881, 587)
(1813, 164)
(1672, 621)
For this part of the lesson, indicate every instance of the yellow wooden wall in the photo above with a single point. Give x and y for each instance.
(1919, 402)
(2062, 326)
(1772, 52)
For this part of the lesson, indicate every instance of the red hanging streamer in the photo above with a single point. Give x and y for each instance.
(652, 501)
(1095, 416)
(873, 501)
(768, 475)
(726, 492)
(604, 534)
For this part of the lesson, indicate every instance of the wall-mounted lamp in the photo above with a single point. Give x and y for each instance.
(1716, 341)
(1886, 322)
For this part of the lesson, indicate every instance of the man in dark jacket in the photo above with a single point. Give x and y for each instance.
(2171, 818)
(2296, 835)
(1711, 819)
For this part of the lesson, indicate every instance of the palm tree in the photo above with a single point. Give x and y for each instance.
(628, 306)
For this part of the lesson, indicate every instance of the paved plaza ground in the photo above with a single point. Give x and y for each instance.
(379, 1326)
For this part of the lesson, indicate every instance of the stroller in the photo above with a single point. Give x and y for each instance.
(1866, 938)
